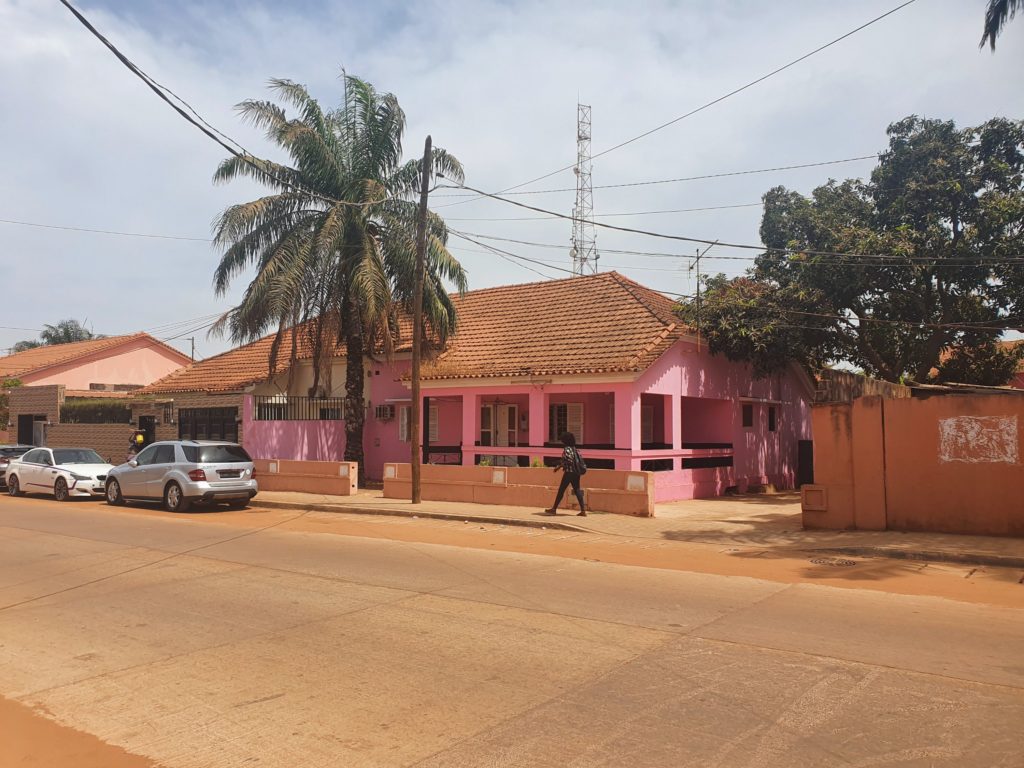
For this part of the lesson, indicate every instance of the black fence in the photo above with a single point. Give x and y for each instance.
(276, 408)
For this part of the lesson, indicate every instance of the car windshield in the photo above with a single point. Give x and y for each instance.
(77, 456)
(215, 454)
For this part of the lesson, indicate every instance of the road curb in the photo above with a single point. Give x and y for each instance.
(351, 510)
(960, 558)
(965, 558)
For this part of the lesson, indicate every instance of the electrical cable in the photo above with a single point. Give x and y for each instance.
(686, 178)
(244, 155)
(681, 238)
(719, 99)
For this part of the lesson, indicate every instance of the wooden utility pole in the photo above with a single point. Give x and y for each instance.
(416, 428)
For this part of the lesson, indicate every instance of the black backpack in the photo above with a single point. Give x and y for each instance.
(581, 465)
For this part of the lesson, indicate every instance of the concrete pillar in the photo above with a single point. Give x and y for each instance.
(470, 432)
(538, 416)
(627, 425)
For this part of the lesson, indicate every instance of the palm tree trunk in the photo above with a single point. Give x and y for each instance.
(355, 413)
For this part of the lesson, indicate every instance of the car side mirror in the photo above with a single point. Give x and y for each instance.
(133, 463)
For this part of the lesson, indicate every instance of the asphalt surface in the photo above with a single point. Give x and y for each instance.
(195, 643)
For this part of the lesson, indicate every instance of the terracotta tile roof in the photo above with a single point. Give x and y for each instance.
(602, 323)
(226, 372)
(40, 358)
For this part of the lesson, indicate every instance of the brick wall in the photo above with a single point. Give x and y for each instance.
(108, 440)
(38, 401)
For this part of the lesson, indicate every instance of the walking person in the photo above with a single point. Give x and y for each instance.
(572, 467)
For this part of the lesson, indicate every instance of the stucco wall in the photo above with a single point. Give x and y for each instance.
(948, 464)
(141, 362)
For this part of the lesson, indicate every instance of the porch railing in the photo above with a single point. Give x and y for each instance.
(277, 408)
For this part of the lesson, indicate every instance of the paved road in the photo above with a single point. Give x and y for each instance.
(199, 644)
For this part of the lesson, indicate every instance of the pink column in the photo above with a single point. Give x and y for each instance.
(538, 415)
(627, 425)
(470, 414)
(673, 422)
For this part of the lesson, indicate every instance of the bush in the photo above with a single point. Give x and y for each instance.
(95, 411)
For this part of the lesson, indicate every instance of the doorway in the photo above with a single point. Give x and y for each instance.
(147, 425)
(26, 429)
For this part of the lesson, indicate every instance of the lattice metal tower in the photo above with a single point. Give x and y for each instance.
(584, 240)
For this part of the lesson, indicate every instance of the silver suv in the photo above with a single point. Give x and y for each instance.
(183, 472)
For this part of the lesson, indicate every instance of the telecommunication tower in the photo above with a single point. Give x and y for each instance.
(584, 242)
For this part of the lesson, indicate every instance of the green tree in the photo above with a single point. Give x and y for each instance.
(5, 412)
(941, 227)
(998, 13)
(333, 246)
(65, 332)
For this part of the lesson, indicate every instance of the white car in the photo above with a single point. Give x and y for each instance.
(63, 472)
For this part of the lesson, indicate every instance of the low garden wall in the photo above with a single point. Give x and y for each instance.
(605, 490)
(331, 478)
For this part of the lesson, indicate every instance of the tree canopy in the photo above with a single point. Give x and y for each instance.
(333, 245)
(895, 274)
(997, 15)
(64, 332)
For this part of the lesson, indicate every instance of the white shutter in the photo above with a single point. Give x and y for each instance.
(647, 424)
(433, 424)
(403, 423)
(574, 420)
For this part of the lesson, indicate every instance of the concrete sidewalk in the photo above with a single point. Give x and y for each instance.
(756, 522)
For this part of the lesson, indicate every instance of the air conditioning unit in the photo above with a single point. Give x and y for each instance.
(384, 412)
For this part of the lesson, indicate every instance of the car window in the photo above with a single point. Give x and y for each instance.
(12, 451)
(147, 456)
(32, 457)
(77, 456)
(227, 453)
(164, 454)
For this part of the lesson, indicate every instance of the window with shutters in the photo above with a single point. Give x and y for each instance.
(565, 417)
(772, 423)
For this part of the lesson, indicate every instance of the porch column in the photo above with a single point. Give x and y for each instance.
(627, 426)
(470, 414)
(673, 421)
(538, 418)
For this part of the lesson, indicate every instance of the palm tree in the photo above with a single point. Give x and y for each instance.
(333, 246)
(996, 15)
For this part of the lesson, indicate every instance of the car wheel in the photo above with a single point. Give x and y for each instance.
(60, 490)
(174, 499)
(12, 486)
(114, 497)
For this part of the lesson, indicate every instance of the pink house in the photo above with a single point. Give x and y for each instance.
(599, 356)
(107, 367)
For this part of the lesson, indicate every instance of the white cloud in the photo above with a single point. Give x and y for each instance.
(85, 144)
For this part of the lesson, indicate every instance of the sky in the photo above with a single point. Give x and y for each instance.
(84, 144)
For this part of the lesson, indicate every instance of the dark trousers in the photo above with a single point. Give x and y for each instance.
(569, 478)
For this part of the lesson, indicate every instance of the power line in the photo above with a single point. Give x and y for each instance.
(244, 155)
(104, 231)
(680, 238)
(610, 215)
(846, 259)
(687, 178)
(720, 98)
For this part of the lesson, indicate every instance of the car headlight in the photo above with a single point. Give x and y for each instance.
(80, 477)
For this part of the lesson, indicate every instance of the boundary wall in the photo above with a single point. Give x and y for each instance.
(605, 490)
(947, 463)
